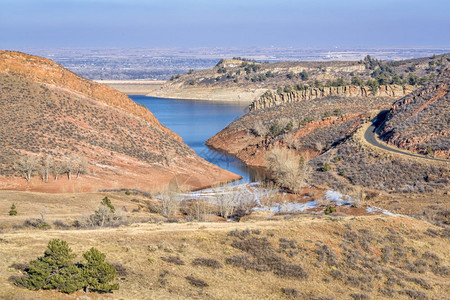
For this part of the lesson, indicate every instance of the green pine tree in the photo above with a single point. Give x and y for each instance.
(56, 270)
(47, 271)
(107, 203)
(13, 210)
(98, 273)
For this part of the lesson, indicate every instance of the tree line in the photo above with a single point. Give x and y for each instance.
(70, 165)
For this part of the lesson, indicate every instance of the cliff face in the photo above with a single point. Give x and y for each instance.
(420, 122)
(273, 99)
(46, 112)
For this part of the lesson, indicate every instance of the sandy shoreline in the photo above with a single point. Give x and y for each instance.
(134, 87)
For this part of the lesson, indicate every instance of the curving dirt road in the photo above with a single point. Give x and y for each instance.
(370, 137)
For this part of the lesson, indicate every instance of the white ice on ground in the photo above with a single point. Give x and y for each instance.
(253, 193)
(374, 209)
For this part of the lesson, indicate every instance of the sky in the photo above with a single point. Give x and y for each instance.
(224, 23)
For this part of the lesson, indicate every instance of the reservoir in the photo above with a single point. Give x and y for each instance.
(196, 121)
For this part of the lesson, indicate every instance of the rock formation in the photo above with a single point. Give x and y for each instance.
(273, 99)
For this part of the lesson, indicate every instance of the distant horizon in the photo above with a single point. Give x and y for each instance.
(233, 23)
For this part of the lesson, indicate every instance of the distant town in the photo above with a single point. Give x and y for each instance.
(162, 63)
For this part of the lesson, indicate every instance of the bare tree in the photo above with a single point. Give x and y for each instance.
(169, 205)
(266, 194)
(319, 146)
(81, 166)
(356, 197)
(47, 163)
(226, 204)
(198, 210)
(27, 165)
(292, 141)
(288, 168)
(72, 164)
(259, 129)
(58, 168)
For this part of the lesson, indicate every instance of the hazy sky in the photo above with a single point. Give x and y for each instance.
(241, 23)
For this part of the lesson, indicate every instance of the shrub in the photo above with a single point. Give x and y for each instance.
(196, 281)
(207, 262)
(120, 269)
(264, 258)
(36, 223)
(60, 225)
(330, 209)
(13, 210)
(174, 260)
(275, 129)
(359, 296)
(104, 216)
(291, 292)
(326, 167)
(415, 294)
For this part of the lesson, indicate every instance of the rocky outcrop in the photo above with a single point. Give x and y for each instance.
(271, 98)
(419, 122)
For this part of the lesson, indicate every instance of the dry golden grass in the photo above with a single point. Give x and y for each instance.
(134, 87)
(63, 207)
(140, 248)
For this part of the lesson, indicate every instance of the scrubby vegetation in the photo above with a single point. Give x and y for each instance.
(369, 71)
(104, 216)
(53, 131)
(323, 129)
(369, 169)
(419, 122)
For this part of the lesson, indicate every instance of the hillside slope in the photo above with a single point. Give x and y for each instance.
(302, 257)
(243, 80)
(327, 131)
(420, 122)
(49, 112)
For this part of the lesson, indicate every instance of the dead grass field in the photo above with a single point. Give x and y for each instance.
(366, 257)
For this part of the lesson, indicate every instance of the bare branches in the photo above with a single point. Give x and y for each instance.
(58, 169)
(47, 163)
(259, 129)
(289, 169)
(26, 166)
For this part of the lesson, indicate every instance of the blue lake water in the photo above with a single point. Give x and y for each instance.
(196, 122)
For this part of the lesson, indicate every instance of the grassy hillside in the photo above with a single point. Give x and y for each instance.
(300, 257)
(56, 124)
